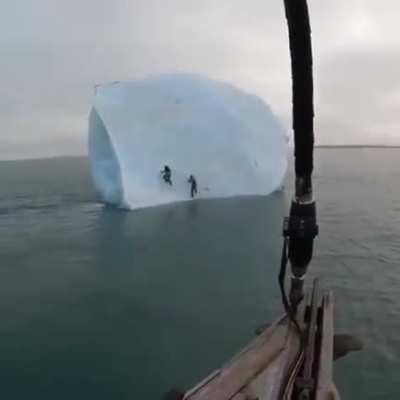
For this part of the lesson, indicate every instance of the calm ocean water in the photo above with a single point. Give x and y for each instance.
(104, 304)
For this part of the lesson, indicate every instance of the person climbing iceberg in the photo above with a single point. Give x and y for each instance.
(166, 174)
(193, 185)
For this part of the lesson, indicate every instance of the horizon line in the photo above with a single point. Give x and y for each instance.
(318, 146)
(374, 146)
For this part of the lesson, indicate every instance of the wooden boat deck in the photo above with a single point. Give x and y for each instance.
(259, 370)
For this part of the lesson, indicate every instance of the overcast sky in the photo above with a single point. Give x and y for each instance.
(53, 52)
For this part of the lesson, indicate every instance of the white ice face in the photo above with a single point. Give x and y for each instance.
(227, 139)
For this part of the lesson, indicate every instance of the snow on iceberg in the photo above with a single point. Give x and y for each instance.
(228, 139)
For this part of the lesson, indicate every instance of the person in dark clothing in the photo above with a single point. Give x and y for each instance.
(166, 174)
(193, 185)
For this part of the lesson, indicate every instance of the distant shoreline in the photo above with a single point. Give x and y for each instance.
(320, 146)
(356, 146)
(55, 158)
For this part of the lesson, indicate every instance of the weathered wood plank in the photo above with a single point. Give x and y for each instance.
(244, 368)
(325, 387)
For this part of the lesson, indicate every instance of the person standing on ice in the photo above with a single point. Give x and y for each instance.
(166, 174)
(193, 185)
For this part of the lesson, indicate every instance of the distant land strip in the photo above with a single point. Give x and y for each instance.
(356, 146)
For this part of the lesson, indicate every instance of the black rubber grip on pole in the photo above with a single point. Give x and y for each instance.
(301, 228)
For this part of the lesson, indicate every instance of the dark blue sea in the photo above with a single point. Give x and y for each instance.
(98, 303)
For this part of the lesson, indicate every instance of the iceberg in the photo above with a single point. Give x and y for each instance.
(229, 140)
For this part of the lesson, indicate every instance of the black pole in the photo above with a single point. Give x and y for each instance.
(302, 91)
(301, 227)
